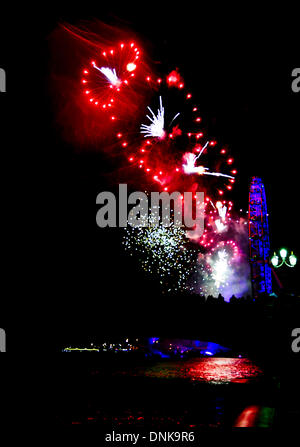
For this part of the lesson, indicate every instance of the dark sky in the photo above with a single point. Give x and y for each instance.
(238, 62)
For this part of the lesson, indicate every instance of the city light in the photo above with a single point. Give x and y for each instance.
(283, 254)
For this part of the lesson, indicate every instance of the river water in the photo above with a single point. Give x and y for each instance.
(196, 393)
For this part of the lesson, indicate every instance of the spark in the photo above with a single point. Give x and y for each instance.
(222, 209)
(163, 251)
(177, 114)
(110, 74)
(190, 168)
(199, 155)
(218, 174)
(156, 128)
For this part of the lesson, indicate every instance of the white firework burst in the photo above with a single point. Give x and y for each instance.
(156, 128)
(110, 74)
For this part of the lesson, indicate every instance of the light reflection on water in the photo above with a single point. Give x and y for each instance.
(212, 370)
(183, 393)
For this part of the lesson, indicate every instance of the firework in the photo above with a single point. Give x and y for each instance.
(157, 125)
(156, 128)
(168, 147)
(110, 71)
(220, 268)
(175, 80)
(164, 252)
(224, 269)
(213, 273)
(222, 209)
(190, 168)
(110, 75)
(95, 81)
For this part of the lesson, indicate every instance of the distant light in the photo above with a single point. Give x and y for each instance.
(283, 253)
(275, 260)
(293, 259)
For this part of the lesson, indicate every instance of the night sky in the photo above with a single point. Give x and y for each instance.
(238, 63)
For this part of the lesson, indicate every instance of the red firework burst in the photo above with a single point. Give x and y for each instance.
(95, 80)
(109, 75)
(171, 145)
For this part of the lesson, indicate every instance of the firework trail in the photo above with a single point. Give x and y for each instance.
(107, 80)
(156, 128)
(108, 109)
(105, 97)
(95, 79)
(167, 148)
